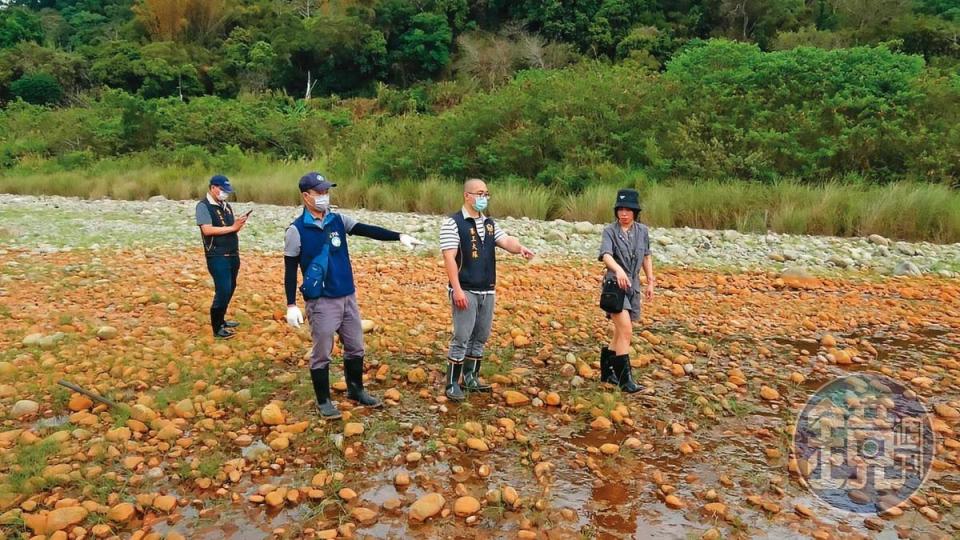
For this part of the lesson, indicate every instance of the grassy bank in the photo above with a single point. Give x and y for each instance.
(910, 211)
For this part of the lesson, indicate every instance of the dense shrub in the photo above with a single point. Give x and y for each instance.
(38, 88)
(721, 110)
(119, 123)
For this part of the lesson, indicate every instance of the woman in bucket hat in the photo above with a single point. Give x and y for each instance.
(625, 250)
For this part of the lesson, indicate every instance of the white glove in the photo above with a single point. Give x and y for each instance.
(409, 242)
(294, 316)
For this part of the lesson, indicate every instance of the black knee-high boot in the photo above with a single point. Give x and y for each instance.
(607, 374)
(471, 376)
(353, 368)
(453, 390)
(321, 387)
(621, 364)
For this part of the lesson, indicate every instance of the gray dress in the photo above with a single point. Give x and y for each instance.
(628, 249)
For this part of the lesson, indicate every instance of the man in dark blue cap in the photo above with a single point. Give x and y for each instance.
(218, 229)
(316, 243)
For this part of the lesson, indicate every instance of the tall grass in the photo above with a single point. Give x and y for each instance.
(439, 196)
(911, 211)
(516, 200)
(593, 204)
(736, 205)
(261, 181)
(905, 210)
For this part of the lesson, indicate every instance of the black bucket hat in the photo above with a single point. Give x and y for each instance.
(627, 198)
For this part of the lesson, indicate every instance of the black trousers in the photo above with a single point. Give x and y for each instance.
(224, 270)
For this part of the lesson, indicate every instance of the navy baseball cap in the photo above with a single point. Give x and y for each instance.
(222, 182)
(314, 180)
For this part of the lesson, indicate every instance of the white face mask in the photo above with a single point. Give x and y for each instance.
(322, 202)
(222, 195)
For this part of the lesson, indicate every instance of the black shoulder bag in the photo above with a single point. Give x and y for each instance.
(611, 296)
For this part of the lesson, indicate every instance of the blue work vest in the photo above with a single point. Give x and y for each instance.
(339, 277)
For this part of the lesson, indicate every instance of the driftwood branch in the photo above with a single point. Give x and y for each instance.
(89, 394)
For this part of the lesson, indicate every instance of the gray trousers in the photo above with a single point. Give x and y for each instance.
(329, 316)
(471, 326)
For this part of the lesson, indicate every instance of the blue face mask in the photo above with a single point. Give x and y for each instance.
(480, 204)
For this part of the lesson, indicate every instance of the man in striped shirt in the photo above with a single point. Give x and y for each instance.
(468, 240)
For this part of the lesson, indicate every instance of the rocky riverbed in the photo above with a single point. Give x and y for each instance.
(213, 439)
(47, 224)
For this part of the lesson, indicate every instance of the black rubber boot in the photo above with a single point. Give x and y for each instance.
(216, 320)
(353, 367)
(621, 365)
(471, 376)
(224, 333)
(607, 374)
(453, 391)
(321, 387)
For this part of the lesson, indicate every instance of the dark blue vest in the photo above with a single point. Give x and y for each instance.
(476, 259)
(339, 277)
(225, 244)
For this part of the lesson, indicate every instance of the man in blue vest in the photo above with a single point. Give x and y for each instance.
(316, 243)
(218, 229)
(468, 240)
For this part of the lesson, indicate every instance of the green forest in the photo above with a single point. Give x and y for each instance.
(798, 103)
